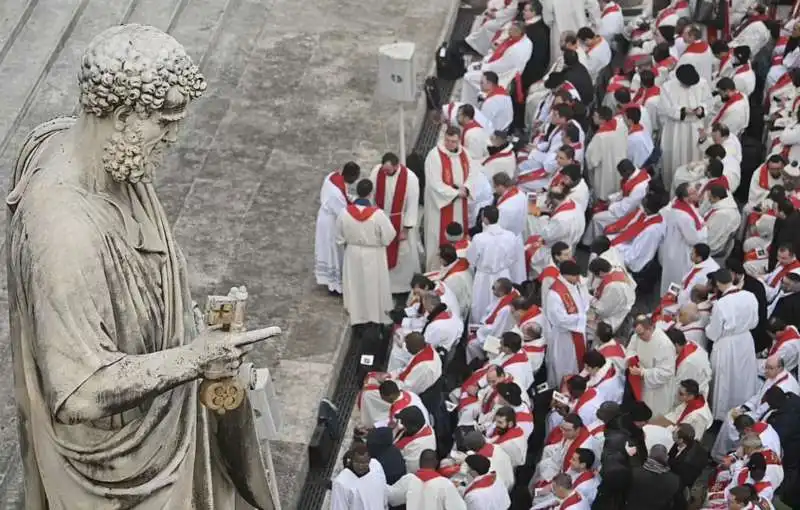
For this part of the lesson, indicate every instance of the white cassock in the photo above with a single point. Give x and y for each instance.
(695, 332)
(405, 400)
(443, 331)
(649, 99)
(498, 108)
(412, 446)
(458, 278)
(733, 357)
(558, 452)
(398, 196)
(612, 22)
(352, 492)
(699, 55)
(425, 490)
(481, 195)
(513, 209)
(503, 161)
(787, 347)
(628, 199)
(585, 406)
(722, 222)
(697, 275)
(502, 12)
(450, 112)
(580, 194)
(640, 145)
(365, 232)
(734, 113)
(745, 79)
(474, 138)
(755, 34)
(567, 16)
(486, 492)
(755, 407)
(760, 184)
(772, 281)
(693, 363)
(565, 329)
(609, 383)
(613, 298)
(598, 56)
(514, 442)
(500, 463)
(694, 412)
(684, 229)
(679, 135)
(657, 359)
(566, 224)
(508, 59)
(328, 255)
(638, 243)
(443, 171)
(495, 320)
(614, 353)
(493, 254)
(608, 147)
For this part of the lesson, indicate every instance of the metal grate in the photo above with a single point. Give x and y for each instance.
(349, 383)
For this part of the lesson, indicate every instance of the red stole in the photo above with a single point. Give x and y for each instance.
(688, 279)
(488, 401)
(643, 94)
(425, 431)
(787, 335)
(498, 155)
(594, 44)
(399, 404)
(697, 48)
(693, 405)
(498, 53)
(482, 482)
(744, 68)
(502, 303)
(638, 177)
(469, 125)
(688, 209)
(459, 266)
(610, 9)
(636, 128)
(549, 272)
(615, 276)
(361, 215)
(588, 395)
(788, 268)
(607, 126)
(337, 180)
(624, 222)
(426, 475)
(487, 450)
(667, 63)
(612, 349)
(784, 80)
(512, 192)
(447, 213)
(687, 351)
(630, 233)
(722, 181)
(529, 314)
(578, 342)
(396, 214)
(426, 354)
(735, 98)
(583, 478)
(583, 435)
(497, 90)
(567, 205)
(760, 427)
(572, 500)
(510, 435)
(610, 374)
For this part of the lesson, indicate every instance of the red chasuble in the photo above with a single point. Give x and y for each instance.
(396, 214)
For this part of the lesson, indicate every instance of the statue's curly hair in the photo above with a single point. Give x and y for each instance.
(135, 66)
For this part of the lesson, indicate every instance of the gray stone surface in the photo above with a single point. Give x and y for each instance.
(290, 96)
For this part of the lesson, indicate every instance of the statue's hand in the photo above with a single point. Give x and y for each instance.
(216, 354)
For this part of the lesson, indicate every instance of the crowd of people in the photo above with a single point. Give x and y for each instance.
(660, 374)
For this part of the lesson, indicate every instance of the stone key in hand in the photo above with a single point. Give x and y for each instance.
(255, 336)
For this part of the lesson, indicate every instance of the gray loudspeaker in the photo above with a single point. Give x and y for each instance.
(397, 76)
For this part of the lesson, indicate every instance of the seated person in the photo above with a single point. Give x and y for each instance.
(638, 241)
(456, 276)
(585, 481)
(424, 487)
(497, 319)
(613, 298)
(394, 400)
(603, 376)
(508, 436)
(485, 491)
(583, 401)
(561, 445)
(692, 409)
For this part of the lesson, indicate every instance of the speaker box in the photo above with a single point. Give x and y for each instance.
(397, 76)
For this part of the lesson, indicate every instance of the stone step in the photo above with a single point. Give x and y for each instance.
(158, 13)
(13, 16)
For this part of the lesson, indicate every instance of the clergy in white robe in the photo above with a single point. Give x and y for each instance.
(765, 177)
(639, 241)
(691, 362)
(493, 254)
(361, 485)
(496, 319)
(328, 254)
(604, 377)
(560, 446)
(735, 109)
(612, 22)
(448, 186)
(565, 223)
(722, 220)
(456, 275)
(415, 437)
(495, 101)
(583, 401)
(684, 229)
(500, 462)
(474, 137)
(506, 60)
(640, 141)
(486, 491)
(598, 51)
(512, 205)
(365, 232)
(570, 179)
(733, 357)
(684, 103)
(567, 303)
(692, 409)
(613, 298)
(608, 147)
(507, 435)
(752, 32)
(501, 157)
(493, 19)
(634, 185)
(786, 346)
(692, 325)
(481, 197)
(449, 116)
(397, 194)
(652, 357)
(698, 53)
(564, 17)
(424, 488)
(702, 266)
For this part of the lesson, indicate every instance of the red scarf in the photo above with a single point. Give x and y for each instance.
(498, 53)
(583, 478)
(531, 313)
(511, 192)
(469, 125)
(695, 404)
(426, 475)
(447, 213)
(572, 500)
(396, 214)
(687, 351)
(509, 435)
(583, 435)
(361, 215)
(688, 209)
(612, 349)
(549, 272)
(612, 8)
(643, 94)
(337, 180)
(608, 126)
(567, 205)
(498, 155)
(688, 279)
(404, 441)
(459, 266)
(784, 80)
(697, 47)
(636, 381)
(625, 222)
(667, 63)
(612, 277)
(497, 90)
(578, 341)
(594, 44)
(744, 68)
(787, 335)
(635, 179)
(722, 181)
(502, 303)
(399, 404)
(482, 482)
(587, 396)
(630, 233)
(733, 99)
(788, 268)
(426, 354)
(636, 128)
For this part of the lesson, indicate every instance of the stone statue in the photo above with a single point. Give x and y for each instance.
(108, 357)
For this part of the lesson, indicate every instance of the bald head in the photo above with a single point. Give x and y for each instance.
(688, 313)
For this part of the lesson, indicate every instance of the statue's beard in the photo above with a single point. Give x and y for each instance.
(126, 159)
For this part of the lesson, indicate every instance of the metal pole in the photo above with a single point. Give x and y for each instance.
(402, 135)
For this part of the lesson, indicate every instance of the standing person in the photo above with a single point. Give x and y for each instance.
(397, 195)
(566, 305)
(512, 205)
(361, 485)
(365, 232)
(691, 363)
(750, 284)
(683, 105)
(698, 52)
(654, 486)
(474, 137)
(608, 147)
(567, 17)
(333, 199)
(448, 187)
(651, 357)
(426, 489)
(684, 229)
(733, 357)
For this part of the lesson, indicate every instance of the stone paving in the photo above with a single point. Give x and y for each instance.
(290, 97)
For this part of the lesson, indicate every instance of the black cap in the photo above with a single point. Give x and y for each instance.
(687, 75)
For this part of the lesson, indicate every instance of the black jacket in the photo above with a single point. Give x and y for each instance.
(786, 231)
(786, 422)
(580, 78)
(380, 443)
(760, 336)
(689, 463)
(788, 309)
(539, 63)
(615, 469)
(655, 491)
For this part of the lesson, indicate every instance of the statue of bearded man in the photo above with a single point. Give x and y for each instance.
(107, 354)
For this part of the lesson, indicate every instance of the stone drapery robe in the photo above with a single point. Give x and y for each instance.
(114, 284)
(657, 359)
(608, 147)
(733, 357)
(565, 308)
(684, 229)
(679, 134)
(365, 233)
(444, 171)
(327, 254)
(403, 215)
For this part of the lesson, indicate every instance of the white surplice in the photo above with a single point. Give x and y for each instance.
(475, 138)
(657, 359)
(492, 254)
(328, 255)
(694, 365)
(679, 135)
(567, 16)
(638, 252)
(434, 493)
(352, 492)
(481, 195)
(722, 222)
(640, 146)
(408, 262)
(697, 275)
(450, 112)
(486, 492)
(760, 184)
(700, 419)
(439, 197)
(366, 286)
(634, 189)
(598, 56)
(680, 235)
(756, 35)
(513, 209)
(458, 278)
(616, 300)
(566, 224)
(608, 147)
(499, 109)
(734, 113)
(503, 161)
(496, 15)
(505, 63)
(560, 325)
(612, 22)
(733, 357)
